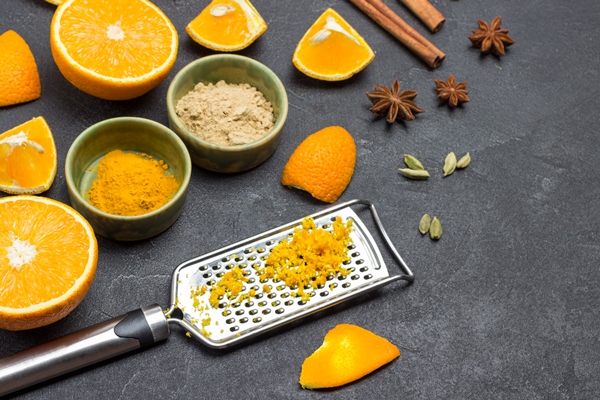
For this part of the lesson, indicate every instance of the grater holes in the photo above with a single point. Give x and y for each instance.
(253, 311)
(249, 304)
(239, 312)
(244, 320)
(279, 311)
(270, 243)
(261, 250)
(258, 296)
(351, 246)
(251, 280)
(226, 313)
(289, 302)
(222, 305)
(368, 276)
(262, 303)
(234, 328)
(238, 258)
(285, 295)
(324, 294)
(266, 311)
(355, 254)
(256, 320)
(275, 303)
(359, 262)
(355, 277)
(203, 268)
(230, 321)
(346, 285)
(364, 269)
(272, 295)
(206, 275)
(219, 274)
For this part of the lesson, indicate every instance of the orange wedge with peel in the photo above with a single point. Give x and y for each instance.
(227, 25)
(348, 353)
(28, 160)
(19, 77)
(331, 49)
(48, 257)
(323, 164)
(112, 49)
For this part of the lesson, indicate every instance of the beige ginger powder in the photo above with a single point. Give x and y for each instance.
(226, 114)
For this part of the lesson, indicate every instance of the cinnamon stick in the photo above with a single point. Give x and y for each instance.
(397, 27)
(427, 13)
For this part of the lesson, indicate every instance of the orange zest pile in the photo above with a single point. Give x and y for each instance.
(302, 263)
(19, 77)
(48, 257)
(331, 49)
(28, 159)
(114, 50)
(227, 25)
(348, 353)
(322, 164)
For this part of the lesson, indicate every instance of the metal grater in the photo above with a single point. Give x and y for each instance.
(228, 325)
(242, 321)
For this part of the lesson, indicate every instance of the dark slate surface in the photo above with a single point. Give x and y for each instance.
(504, 306)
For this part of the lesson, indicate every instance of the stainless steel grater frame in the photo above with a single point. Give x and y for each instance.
(232, 323)
(148, 325)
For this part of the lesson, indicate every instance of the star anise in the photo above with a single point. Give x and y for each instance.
(393, 104)
(454, 93)
(491, 38)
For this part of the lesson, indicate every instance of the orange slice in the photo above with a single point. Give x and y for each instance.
(348, 353)
(48, 256)
(331, 49)
(19, 77)
(27, 158)
(113, 49)
(227, 25)
(322, 164)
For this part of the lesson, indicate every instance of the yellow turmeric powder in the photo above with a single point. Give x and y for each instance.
(131, 184)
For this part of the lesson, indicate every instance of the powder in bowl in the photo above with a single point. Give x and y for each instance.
(131, 184)
(226, 114)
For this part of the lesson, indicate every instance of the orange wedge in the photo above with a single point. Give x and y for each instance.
(331, 49)
(227, 25)
(27, 158)
(348, 353)
(322, 164)
(112, 49)
(19, 77)
(48, 256)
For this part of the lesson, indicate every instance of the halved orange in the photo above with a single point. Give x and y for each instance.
(348, 353)
(227, 25)
(331, 49)
(27, 158)
(323, 164)
(19, 77)
(113, 49)
(48, 256)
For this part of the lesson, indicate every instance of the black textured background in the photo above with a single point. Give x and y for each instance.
(504, 306)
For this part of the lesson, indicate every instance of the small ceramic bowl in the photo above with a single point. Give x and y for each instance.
(127, 134)
(233, 69)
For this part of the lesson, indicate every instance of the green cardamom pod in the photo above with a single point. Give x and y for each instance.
(435, 230)
(464, 161)
(412, 162)
(424, 224)
(449, 164)
(414, 173)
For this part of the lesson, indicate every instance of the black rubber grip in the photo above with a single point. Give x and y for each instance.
(135, 326)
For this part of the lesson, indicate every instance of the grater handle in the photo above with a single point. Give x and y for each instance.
(134, 330)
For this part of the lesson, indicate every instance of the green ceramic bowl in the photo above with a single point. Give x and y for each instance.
(127, 134)
(233, 69)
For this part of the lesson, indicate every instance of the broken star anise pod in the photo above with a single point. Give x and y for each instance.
(491, 38)
(452, 92)
(393, 104)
